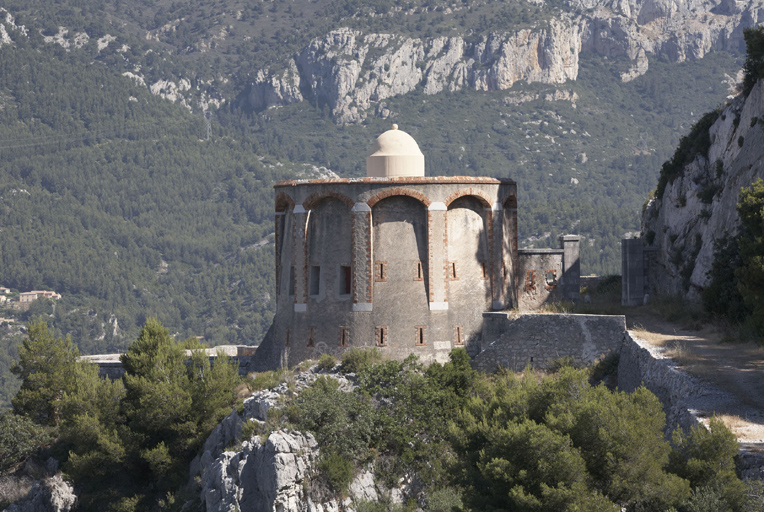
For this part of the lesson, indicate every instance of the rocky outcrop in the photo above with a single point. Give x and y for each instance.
(52, 494)
(275, 472)
(699, 206)
(351, 71)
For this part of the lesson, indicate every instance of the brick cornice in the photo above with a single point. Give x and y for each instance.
(409, 180)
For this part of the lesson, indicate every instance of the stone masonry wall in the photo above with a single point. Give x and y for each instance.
(536, 340)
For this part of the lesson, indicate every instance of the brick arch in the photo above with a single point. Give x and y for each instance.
(398, 191)
(283, 202)
(316, 197)
(481, 196)
(509, 201)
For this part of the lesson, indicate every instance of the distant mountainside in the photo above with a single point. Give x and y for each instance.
(111, 194)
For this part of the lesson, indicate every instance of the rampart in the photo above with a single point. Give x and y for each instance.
(535, 340)
(110, 366)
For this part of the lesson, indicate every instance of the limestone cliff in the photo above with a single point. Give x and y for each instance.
(275, 473)
(352, 71)
(699, 206)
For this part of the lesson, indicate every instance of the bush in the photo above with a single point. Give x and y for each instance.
(337, 470)
(20, 438)
(694, 143)
(326, 362)
(444, 500)
(561, 362)
(265, 380)
(753, 68)
(356, 358)
(608, 365)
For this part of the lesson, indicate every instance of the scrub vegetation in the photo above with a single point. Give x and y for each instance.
(509, 441)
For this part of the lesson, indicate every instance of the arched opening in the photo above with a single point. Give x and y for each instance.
(329, 247)
(400, 267)
(469, 265)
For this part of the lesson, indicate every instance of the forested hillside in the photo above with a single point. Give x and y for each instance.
(112, 195)
(113, 198)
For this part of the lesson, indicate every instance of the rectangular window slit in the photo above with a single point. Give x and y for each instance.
(288, 335)
(420, 339)
(312, 337)
(344, 335)
(380, 271)
(381, 335)
(419, 272)
(452, 271)
(345, 280)
(315, 280)
(458, 340)
(291, 280)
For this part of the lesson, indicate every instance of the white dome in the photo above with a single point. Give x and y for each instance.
(395, 153)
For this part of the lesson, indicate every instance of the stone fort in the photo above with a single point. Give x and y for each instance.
(403, 262)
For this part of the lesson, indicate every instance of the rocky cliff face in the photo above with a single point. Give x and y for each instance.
(699, 206)
(352, 71)
(274, 474)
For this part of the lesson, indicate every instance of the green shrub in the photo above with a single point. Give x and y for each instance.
(248, 430)
(694, 143)
(708, 193)
(650, 237)
(753, 68)
(20, 438)
(326, 362)
(444, 500)
(558, 364)
(337, 470)
(356, 358)
(608, 365)
(740, 141)
(265, 380)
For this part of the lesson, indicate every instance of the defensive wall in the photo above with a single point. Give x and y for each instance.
(535, 340)
(109, 365)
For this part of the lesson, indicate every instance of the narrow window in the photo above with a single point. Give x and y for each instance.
(288, 335)
(419, 272)
(315, 279)
(530, 280)
(311, 336)
(452, 271)
(344, 335)
(484, 269)
(345, 280)
(458, 340)
(380, 271)
(420, 338)
(381, 335)
(291, 280)
(550, 277)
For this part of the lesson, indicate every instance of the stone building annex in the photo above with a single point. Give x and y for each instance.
(401, 261)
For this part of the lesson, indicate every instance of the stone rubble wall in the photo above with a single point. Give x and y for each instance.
(536, 340)
(686, 400)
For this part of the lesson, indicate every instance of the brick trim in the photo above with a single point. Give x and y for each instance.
(316, 197)
(481, 196)
(283, 202)
(398, 191)
(509, 201)
(419, 180)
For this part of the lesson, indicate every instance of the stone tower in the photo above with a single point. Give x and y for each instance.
(397, 260)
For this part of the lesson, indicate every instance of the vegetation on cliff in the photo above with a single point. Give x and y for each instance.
(127, 443)
(530, 441)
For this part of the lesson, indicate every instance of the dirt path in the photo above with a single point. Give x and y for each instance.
(736, 368)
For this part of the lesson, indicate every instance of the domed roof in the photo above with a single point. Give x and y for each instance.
(395, 153)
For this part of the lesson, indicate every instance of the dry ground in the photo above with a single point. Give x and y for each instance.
(704, 349)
